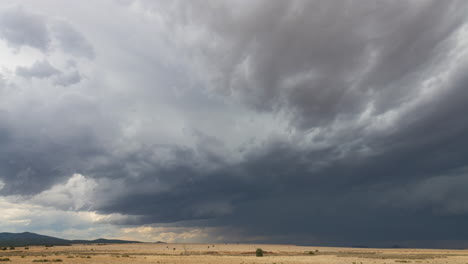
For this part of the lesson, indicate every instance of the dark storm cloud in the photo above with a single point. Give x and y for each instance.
(373, 93)
(19, 28)
(45, 144)
(323, 60)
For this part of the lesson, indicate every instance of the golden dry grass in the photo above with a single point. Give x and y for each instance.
(228, 254)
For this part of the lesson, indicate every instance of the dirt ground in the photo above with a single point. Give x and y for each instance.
(226, 254)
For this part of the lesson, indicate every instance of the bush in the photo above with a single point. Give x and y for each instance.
(5, 259)
(259, 252)
(311, 253)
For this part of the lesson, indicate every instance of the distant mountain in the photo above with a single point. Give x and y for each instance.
(26, 238)
(32, 239)
(104, 241)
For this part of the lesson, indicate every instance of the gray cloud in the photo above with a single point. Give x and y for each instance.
(43, 69)
(71, 40)
(2, 82)
(67, 79)
(19, 27)
(334, 122)
(320, 60)
(40, 69)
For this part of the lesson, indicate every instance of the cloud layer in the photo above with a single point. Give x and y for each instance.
(313, 122)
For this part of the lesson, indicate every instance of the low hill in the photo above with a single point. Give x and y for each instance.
(32, 239)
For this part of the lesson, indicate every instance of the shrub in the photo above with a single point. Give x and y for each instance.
(259, 252)
(311, 253)
(12, 248)
(5, 259)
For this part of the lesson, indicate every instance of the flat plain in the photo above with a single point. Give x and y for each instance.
(226, 254)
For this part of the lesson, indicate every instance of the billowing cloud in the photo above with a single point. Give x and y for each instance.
(319, 61)
(75, 194)
(325, 122)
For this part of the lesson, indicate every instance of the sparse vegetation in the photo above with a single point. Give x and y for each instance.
(259, 252)
(47, 260)
(5, 259)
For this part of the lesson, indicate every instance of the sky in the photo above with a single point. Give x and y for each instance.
(310, 122)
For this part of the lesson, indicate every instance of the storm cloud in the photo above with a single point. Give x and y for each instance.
(307, 122)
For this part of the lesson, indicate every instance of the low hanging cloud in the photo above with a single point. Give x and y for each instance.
(318, 61)
(313, 122)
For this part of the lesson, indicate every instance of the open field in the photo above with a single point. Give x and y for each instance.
(226, 254)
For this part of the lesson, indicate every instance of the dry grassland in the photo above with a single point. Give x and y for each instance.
(227, 254)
